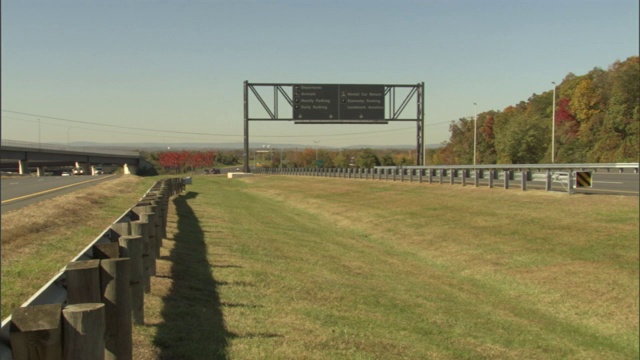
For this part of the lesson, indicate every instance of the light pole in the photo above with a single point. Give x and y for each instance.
(263, 151)
(553, 125)
(475, 131)
(316, 142)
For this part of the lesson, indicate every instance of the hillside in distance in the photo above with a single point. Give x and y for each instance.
(587, 118)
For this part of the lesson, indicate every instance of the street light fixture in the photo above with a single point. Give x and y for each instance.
(553, 125)
(475, 131)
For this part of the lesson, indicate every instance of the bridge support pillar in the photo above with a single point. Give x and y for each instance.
(23, 167)
(129, 169)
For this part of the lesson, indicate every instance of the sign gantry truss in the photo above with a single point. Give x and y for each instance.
(336, 104)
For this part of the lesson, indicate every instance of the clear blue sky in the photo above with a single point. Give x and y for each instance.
(180, 65)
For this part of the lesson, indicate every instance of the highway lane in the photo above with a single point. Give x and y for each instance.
(17, 192)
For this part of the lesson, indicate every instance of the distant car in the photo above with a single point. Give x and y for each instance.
(98, 171)
(77, 171)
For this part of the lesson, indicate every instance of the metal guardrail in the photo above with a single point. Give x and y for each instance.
(578, 166)
(58, 147)
(55, 291)
(563, 174)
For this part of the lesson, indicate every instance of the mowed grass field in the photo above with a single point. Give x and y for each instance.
(274, 267)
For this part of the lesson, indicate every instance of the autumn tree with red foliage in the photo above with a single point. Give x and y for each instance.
(181, 161)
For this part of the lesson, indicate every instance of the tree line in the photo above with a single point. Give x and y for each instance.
(183, 161)
(597, 118)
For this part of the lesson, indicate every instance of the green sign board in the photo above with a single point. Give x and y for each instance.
(334, 102)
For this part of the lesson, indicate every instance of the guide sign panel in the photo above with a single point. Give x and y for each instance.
(315, 102)
(362, 102)
(332, 102)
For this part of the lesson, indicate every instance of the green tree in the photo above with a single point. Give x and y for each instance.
(367, 159)
(341, 161)
(387, 160)
(524, 140)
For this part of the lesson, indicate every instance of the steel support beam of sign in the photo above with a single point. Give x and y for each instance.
(336, 104)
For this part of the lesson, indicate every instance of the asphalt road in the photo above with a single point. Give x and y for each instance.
(17, 192)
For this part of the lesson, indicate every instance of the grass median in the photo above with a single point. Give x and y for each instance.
(316, 268)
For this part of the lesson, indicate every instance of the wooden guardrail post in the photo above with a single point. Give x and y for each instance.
(36, 332)
(156, 200)
(476, 177)
(165, 212)
(131, 247)
(524, 180)
(120, 229)
(83, 282)
(116, 296)
(507, 177)
(83, 328)
(106, 251)
(141, 228)
(150, 209)
(492, 174)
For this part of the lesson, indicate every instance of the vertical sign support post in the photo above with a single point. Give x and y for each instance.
(245, 160)
(420, 161)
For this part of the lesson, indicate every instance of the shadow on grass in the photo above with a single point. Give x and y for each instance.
(193, 326)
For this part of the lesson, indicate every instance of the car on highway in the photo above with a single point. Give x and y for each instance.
(77, 171)
(98, 171)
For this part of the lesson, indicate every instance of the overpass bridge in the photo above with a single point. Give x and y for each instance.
(24, 157)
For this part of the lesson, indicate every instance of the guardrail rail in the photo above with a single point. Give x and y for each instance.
(563, 175)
